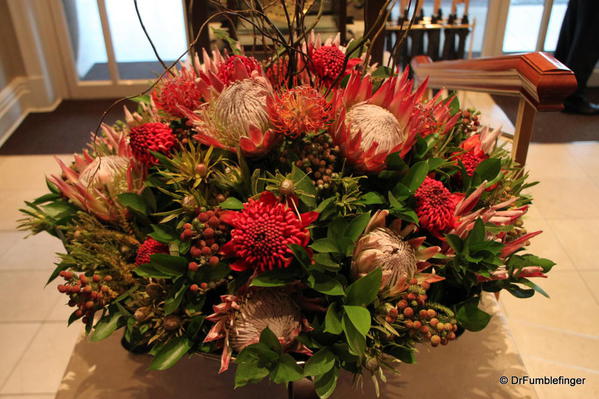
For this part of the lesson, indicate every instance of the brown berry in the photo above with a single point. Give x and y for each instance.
(171, 322)
(409, 312)
(213, 261)
(435, 340)
(192, 266)
(194, 287)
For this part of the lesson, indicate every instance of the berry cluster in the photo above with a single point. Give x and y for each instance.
(85, 293)
(318, 158)
(470, 121)
(424, 321)
(207, 233)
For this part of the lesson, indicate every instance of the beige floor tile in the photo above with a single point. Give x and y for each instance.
(13, 200)
(43, 364)
(566, 197)
(586, 155)
(15, 338)
(8, 240)
(34, 252)
(546, 245)
(556, 345)
(538, 367)
(60, 312)
(551, 160)
(579, 239)
(591, 279)
(36, 396)
(24, 297)
(27, 172)
(570, 299)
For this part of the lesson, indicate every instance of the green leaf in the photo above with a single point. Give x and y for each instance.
(519, 292)
(402, 353)
(356, 340)
(106, 326)
(163, 233)
(395, 162)
(454, 106)
(325, 384)
(363, 291)
(357, 226)
(172, 303)
(268, 338)
(471, 317)
(253, 364)
(148, 271)
(324, 204)
(455, 242)
(275, 278)
(325, 284)
(332, 321)
(170, 353)
(359, 317)
(534, 286)
(231, 203)
(174, 265)
(324, 245)
(416, 175)
(301, 255)
(488, 169)
(60, 267)
(286, 370)
(373, 198)
(401, 192)
(320, 363)
(134, 202)
(326, 260)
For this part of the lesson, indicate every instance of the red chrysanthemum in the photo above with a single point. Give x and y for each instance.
(183, 90)
(298, 111)
(328, 62)
(151, 137)
(226, 71)
(149, 247)
(262, 233)
(435, 206)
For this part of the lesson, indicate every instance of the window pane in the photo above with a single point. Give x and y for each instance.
(523, 22)
(555, 23)
(87, 41)
(165, 23)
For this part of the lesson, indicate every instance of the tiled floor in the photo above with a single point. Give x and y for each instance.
(556, 337)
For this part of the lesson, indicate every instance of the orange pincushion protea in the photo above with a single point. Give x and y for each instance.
(298, 111)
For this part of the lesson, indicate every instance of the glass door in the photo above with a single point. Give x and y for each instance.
(104, 48)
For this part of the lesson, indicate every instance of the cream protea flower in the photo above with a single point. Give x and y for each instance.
(93, 182)
(241, 320)
(370, 126)
(234, 114)
(385, 248)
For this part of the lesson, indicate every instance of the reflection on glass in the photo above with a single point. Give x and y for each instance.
(555, 23)
(164, 21)
(87, 42)
(523, 22)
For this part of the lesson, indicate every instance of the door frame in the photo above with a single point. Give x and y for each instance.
(79, 89)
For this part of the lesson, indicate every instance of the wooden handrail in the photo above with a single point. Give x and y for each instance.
(541, 82)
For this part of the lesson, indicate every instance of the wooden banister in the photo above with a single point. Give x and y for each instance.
(541, 82)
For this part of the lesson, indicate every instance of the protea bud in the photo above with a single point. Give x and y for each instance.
(108, 171)
(262, 308)
(385, 248)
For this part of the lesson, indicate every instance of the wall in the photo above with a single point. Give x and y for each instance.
(11, 64)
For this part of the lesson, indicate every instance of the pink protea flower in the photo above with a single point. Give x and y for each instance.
(385, 248)
(434, 116)
(148, 248)
(151, 137)
(239, 321)
(93, 182)
(370, 126)
(262, 232)
(298, 111)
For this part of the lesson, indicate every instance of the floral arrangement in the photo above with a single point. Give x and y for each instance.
(333, 220)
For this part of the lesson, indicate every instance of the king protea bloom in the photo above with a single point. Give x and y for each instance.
(94, 181)
(386, 248)
(262, 233)
(370, 126)
(239, 321)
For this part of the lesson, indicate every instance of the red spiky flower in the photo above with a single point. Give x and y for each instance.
(435, 206)
(262, 233)
(182, 90)
(299, 110)
(151, 137)
(227, 71)
(328, 62)
(149, 247)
